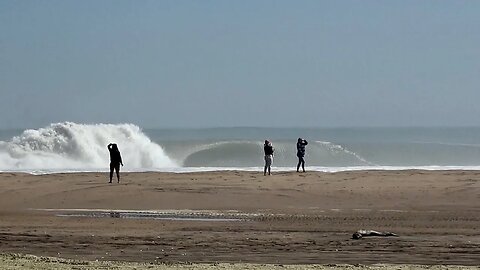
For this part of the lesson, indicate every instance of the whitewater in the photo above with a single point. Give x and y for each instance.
(73, 147)
(64, 147)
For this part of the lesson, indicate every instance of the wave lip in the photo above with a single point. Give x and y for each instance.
(242, 153)
(70, 146)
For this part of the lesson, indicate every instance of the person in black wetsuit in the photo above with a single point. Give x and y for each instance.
(268, 149)
(115, 161)
(301, 153)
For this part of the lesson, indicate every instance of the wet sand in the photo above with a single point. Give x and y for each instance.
(17, 261)
(244, 217)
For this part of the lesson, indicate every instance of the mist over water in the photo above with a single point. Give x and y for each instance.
(70, 146)
(64, 146)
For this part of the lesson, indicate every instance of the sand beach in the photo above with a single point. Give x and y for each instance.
(244, 217)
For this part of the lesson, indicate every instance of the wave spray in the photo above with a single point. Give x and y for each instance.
(70, 146)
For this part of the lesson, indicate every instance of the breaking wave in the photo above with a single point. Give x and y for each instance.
(250, 154)
(71, 146)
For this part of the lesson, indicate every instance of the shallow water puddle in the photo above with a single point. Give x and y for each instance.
(208, 216)
(147, 216)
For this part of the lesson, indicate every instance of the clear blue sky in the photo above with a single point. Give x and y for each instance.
(240, 63)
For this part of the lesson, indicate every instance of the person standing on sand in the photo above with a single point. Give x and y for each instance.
(115, 161)
(268, 149)
(301, 153)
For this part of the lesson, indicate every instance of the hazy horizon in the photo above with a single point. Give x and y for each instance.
(189, 64)
(248, 127)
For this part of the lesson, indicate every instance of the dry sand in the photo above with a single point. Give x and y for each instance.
(286, 218)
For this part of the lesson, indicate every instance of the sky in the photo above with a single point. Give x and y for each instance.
(164, 64)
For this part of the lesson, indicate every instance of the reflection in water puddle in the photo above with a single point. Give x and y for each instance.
(148, 216)
(209, 216)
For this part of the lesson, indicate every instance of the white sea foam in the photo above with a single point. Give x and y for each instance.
(336, 148)
(75, 147)
(70, 147)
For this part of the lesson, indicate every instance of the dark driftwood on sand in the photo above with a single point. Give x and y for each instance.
(365, 233)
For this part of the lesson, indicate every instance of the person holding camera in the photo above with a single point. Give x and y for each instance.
(301, 143)
(268, 150)
(115, 161)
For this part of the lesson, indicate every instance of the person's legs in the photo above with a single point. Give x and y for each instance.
(117, 170)
(303, 164)
(268, 163)
(269, 167)
(111, 172)
(299, 162)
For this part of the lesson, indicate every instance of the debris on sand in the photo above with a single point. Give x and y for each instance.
(366, 233)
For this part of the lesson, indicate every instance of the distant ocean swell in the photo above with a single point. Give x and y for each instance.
(64, 147)
(238, 153)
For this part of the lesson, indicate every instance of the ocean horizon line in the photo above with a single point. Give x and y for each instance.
(149, 127)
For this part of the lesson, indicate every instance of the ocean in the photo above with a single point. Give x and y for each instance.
(72, 147)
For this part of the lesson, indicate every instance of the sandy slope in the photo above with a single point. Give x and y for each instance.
(292, 218)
